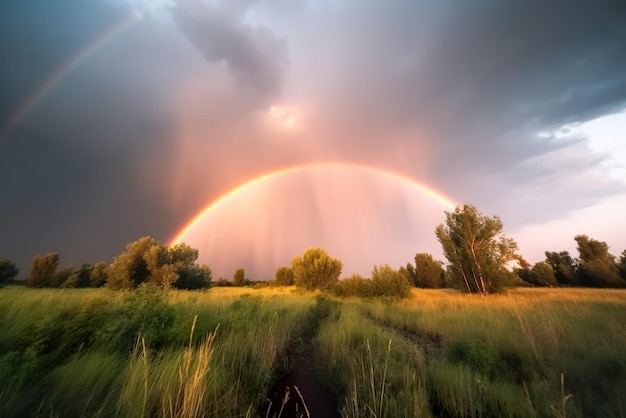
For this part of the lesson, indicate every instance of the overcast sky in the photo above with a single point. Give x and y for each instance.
(125, 118)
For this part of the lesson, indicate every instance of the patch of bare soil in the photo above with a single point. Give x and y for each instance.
(298, 393)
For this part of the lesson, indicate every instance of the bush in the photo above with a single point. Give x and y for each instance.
(354, 286)
(284, 277)
(389, 282)
(316, 270)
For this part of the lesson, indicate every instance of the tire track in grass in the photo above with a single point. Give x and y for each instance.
(298, 393)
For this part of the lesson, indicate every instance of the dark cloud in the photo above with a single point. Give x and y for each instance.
(254, 55)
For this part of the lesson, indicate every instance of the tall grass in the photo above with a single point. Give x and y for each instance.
(218, 353)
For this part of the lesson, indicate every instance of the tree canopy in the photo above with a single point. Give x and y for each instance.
(477, 251)
(316, 270)
(147, 261)
(43, 270)
(427, 272)
(8, 270)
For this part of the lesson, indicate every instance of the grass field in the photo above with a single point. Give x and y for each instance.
(220, 353)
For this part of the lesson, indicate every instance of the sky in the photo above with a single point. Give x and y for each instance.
(351, 125)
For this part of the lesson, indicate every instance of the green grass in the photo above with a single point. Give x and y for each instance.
(101, 353)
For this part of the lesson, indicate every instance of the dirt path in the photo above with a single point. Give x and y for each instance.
(298, 393)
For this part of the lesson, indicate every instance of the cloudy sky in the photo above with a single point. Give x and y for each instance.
(125, 118)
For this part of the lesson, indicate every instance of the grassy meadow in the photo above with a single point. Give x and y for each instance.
(219, 353)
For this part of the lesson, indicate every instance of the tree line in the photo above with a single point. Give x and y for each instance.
(480, 259)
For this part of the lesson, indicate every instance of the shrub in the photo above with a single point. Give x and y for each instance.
(316, 270)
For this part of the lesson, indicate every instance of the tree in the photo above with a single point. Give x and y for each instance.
(564, 267)
(316, 270)
(239, 278)
(427, 272)
(194, 277)
(597, 266)
(98, 274)
(389, 282)
(622, 264)
(130, 268)
(8, 270)
(542, 274)
(476, 250)
(42, 270)
(147, 261)
(284, 276)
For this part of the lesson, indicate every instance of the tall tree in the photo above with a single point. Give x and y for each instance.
(130, 268)
(316, 270)
(622, 264)
(542, 274)
(43, 270)
(476, 250)
(239, 278)
(8, 270)
(427, 272)
(98, 274)
(597, 266)
(564, 267)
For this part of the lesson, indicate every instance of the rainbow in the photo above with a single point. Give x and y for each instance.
(64, 70)
(189, 226)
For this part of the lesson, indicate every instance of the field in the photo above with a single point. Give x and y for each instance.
(232, 352)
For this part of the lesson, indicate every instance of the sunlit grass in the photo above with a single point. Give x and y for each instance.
(527, 352)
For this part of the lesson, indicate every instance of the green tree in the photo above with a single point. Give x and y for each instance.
(8, 270)
(477, 251)
(542, 274)
(98, 274)
(239, 278)
(389, 282)
(597, 266)
(130, 268)
(64, 278)
(316, 270)
(194, 277)
(284, 276)
(43, 270)
(147, 261)
(564, 267)
(622, 264)
(427, 272)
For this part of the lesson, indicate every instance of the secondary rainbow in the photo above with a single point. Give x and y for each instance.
(440, 197)
(64, 70)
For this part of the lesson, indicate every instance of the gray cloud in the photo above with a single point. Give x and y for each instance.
(253, 54)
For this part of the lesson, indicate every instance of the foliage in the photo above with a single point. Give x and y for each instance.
(353, 286)
(222, 282)
(284, 277)
(239, 278)
(98, 274)
(597, 267)
(194, 277)
(147, 261)
(8, 270)
(316, 270)
(564, 267)
(43, 270)
(543, 275)
(476, 250)
(388, 282)
(95, 352)
(427, 272)
(622, 264)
